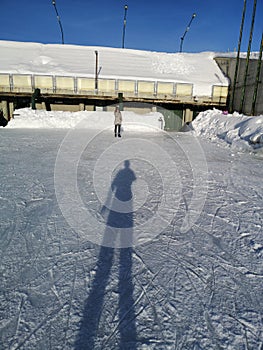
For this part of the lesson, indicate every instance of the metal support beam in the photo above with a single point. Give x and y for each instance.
(238, 56)
(248, 56)
(253, 109)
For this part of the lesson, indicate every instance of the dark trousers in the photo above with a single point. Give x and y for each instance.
(117, 129)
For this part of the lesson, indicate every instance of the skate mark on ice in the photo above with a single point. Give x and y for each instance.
(70, 303)
(53, 314)
(212, 331)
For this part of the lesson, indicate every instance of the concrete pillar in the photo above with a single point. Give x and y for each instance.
(188, 115)
(89, 108)
(82, 107)
(5, 110)
(11, 109)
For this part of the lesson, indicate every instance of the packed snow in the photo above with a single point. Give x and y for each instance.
(196, 281)
(199, 69)
(28, 118)
(238, 130)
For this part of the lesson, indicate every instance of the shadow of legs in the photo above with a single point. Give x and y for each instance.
(127, 327)
(94, 304)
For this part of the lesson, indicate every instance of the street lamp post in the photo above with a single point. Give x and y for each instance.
(96, 71)
(59, 21)
(186, 30)
(124, 24)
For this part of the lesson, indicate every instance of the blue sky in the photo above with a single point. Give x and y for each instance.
(151, 24)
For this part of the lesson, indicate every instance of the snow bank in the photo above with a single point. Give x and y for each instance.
(238, 130)
(41, 119)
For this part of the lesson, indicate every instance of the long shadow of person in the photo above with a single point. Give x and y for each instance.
(118, 209)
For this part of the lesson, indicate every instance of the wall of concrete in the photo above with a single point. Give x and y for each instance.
(228, 66)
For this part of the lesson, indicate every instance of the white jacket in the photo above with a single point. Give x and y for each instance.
(118, 117)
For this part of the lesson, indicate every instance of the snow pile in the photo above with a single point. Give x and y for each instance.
(41, 119)
(238, 130)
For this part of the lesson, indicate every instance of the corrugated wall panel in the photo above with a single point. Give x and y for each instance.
(107, 85)
(184, 89)
(86, 85)
(43, 82)
(126, 86)
(165, 88)
(64, 84)
(4, 83)
(146, 87)
(219, 93)
(22, 83)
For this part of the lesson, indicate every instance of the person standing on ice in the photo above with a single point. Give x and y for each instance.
(117, 122)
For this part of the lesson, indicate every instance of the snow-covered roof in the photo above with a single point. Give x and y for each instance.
(199, 69)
